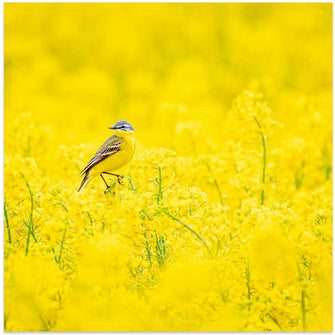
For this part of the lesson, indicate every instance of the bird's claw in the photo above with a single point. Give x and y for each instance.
(109, 189)
(118, 179)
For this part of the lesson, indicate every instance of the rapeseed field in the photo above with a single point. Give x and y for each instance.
(224, 219)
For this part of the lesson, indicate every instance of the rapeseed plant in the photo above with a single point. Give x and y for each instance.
(223, 221)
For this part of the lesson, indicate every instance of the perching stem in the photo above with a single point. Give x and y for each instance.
(264, 159)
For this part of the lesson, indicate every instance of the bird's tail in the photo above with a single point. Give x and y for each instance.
(85, 181)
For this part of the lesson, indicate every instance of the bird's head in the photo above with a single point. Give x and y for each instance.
(123, 129)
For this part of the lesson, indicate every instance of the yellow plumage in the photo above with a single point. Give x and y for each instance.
(118, 159)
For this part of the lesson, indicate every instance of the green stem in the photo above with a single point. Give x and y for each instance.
(28, 240)
(219, 191)
(264, 159)
(31, 197)
(247, 276)
(275, 321)
(30, 225)
(91, 221)
(200, 238)
(61, 247)
(7, 223)
(159, 182)
(224, 296)
(147, 247)
(131, 184)
(62, 203)
(303, 310)
(216, 183)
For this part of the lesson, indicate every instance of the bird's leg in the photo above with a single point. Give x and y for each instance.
(116, 175)
(104, 181)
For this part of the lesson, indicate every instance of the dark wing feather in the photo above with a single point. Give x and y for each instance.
(110, 147)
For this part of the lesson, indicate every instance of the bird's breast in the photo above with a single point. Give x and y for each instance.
(116, 161)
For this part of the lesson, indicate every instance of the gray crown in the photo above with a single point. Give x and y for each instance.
(123, 125)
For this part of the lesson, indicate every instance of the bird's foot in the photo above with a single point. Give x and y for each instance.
(109, 189)
(118, 179)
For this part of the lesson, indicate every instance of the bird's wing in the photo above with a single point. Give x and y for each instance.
(110, 147)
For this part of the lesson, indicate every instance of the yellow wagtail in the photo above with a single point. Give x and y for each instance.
(116, 152)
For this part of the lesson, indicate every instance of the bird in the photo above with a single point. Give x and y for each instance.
(116, 152)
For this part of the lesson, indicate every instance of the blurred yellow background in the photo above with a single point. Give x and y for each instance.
(214, 229)
(81, 67)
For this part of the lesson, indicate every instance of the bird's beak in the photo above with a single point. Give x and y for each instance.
(111, 128)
